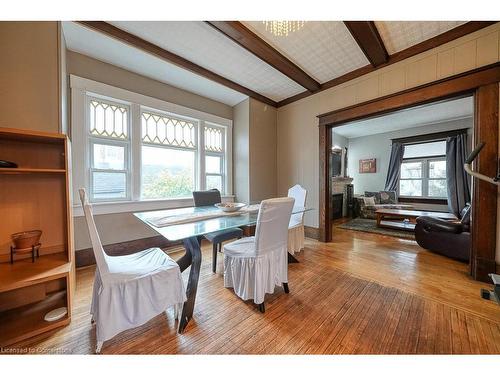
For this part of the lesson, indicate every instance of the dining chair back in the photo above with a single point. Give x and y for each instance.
(206, 197)
(299, 194)
(99, 253)
(271, 232)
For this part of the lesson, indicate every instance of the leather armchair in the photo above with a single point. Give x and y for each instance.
(449, 238)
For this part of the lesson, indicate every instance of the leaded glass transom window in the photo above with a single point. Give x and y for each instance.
(108, 120)
(213, 139)
(169, 131)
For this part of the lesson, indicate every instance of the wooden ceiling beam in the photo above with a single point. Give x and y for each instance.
(139, 43)
(237, 32)
(366, 35)
(448, 36)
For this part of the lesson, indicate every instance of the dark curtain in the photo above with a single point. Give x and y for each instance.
(457, 180)
(392, 180)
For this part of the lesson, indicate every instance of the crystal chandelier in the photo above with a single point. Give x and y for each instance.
(283, 28)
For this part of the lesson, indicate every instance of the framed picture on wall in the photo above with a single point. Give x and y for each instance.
(368, 165)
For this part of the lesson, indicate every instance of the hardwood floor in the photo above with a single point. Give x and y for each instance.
(362, 293)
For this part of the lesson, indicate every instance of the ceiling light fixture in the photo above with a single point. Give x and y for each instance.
(283, 28)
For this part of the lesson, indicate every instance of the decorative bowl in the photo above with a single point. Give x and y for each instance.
(230, 207)
(23, 240)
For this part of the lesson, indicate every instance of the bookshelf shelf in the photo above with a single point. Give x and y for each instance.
(31, 170)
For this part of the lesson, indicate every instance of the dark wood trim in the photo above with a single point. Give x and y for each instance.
(325, 144)
(85, 257)
(483, 83)
(485, 195)
(311, 232)
(153, 49)
(366, 35)
(237, 32)
(423, 200)
(424, 46)
(455, 86)
(430, 137)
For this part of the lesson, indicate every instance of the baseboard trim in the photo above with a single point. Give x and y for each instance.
(85, 257)
(311, 232)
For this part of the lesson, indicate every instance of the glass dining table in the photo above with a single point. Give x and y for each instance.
(190, 233)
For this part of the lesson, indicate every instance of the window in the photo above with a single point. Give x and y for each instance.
(214, 157)
(129, 148)
(423, 171)
(109, 144)
(168, 156)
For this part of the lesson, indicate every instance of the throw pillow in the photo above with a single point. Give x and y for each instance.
(374, 194)
(369, 201)
(388, 197)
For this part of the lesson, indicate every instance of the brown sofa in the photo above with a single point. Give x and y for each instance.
(383, 199)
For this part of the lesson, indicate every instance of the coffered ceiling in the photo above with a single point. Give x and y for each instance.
(229, 60)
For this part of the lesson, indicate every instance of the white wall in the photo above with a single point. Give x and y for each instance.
(378, 146)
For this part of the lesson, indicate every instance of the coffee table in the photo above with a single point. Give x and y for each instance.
(411, 215)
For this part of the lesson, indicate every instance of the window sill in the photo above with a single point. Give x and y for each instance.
(104, 208)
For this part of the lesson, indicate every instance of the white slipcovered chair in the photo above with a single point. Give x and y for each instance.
(253, 266)
(296, 225)
(131, 289)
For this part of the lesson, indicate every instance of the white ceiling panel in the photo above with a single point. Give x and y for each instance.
(85, 41)
(418, 116)
(323, 49)
(198, 42)
(399, 35)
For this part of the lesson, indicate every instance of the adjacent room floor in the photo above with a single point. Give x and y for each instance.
(362, 293)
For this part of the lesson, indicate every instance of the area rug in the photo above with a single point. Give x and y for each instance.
(370, 226)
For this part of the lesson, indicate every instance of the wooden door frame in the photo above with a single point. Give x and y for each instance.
(483, 84)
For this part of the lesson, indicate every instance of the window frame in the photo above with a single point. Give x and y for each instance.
(93, 139)
(81, 90)
(222, 154)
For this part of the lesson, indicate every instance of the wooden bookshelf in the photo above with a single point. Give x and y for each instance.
(36, 195)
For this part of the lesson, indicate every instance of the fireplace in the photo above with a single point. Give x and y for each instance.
(340, 185)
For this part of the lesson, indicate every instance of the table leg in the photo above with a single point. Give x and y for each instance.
(191, 258)
(292, 259)
(379, 219)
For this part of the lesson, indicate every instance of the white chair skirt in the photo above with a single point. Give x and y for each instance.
(253, 277)
(137, 298)
(296, 239)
